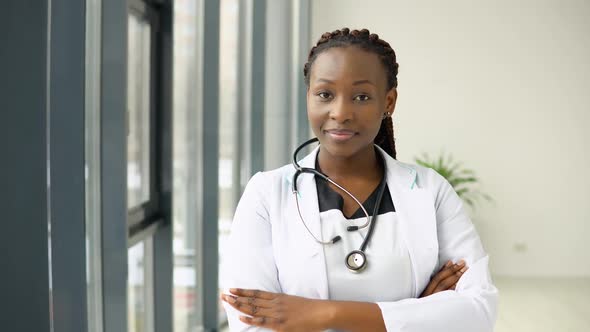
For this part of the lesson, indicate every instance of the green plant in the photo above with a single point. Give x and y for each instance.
(463, 180)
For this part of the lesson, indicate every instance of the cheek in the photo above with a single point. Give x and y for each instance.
(314, 115)
(310, 111)
(372, 117)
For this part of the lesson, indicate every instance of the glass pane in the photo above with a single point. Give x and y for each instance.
(138, 110)
(135, 288)
(186, 158)
(229, 184)
(140, 285)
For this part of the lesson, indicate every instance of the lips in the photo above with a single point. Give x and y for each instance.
(340, 135)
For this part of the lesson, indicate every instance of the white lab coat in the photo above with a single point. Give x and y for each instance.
(270, 249)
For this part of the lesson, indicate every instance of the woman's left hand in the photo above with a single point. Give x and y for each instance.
(276, 311)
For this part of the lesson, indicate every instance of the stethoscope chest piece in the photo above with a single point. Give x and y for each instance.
(356, 261)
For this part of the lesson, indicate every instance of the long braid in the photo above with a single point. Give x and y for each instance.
(385, 138)
(371, 43)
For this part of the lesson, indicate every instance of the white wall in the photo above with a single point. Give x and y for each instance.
(505, 87)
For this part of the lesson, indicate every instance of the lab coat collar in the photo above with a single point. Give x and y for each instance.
(405, 176)
(417, 220)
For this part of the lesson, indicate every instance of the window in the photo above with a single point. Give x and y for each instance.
(143, 155)
(186, 138)
(139, 287)
(138, 111)
(229, 124)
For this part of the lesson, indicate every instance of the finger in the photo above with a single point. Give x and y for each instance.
(446, 283)
(450, 281)
(428, 290)
(254, 301)
(443, 274)
(253, 293)
(463, 270)
(268, 322)
(449, 271)
(447, 264)
(247, 308)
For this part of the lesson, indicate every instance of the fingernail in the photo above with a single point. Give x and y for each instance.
(461, 262)
(448, 264)
(463, 269)
(229, 298)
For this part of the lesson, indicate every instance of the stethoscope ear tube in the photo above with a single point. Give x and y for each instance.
(299, 148)
(306, 170)
(300, 169)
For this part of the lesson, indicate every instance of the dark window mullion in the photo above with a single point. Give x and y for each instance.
(162, 267)
(113, 106)
(155, 127)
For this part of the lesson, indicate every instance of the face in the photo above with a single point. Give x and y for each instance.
(347, 100)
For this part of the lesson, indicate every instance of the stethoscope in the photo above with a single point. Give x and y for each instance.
(356, 260)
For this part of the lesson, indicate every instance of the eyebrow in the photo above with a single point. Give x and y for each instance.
(354, 83)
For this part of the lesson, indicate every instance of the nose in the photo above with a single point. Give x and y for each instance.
(341, 111)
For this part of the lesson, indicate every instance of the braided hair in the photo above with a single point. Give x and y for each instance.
(371, 43)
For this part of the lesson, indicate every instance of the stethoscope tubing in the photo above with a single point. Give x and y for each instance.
(370, 219)
(325, 177)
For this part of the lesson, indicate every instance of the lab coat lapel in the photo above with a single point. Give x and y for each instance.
(415, 212)
(309, 207)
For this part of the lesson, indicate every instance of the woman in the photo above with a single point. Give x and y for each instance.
(303, 255)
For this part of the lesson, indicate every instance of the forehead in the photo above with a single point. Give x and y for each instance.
(349, 63)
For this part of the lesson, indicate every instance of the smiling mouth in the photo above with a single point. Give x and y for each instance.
(340, 135)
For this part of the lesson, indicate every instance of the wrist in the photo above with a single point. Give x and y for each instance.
(327, 312)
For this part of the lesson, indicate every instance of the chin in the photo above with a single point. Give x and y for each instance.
(340, 150)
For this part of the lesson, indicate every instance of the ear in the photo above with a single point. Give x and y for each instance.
(390, 100)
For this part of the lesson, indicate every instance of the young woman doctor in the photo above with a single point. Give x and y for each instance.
(305, 255)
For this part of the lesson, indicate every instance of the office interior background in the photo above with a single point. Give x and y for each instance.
(129, 128)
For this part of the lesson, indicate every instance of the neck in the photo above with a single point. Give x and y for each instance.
(363, 164)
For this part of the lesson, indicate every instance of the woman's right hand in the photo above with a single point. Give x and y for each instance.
(446, 278)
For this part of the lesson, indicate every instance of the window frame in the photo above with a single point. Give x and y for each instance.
(141, 217)
(122, 227)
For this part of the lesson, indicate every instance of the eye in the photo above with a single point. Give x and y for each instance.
(324, 95)
(362, 97)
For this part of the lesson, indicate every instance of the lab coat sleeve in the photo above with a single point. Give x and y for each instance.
(472, 306)
(248, 260)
